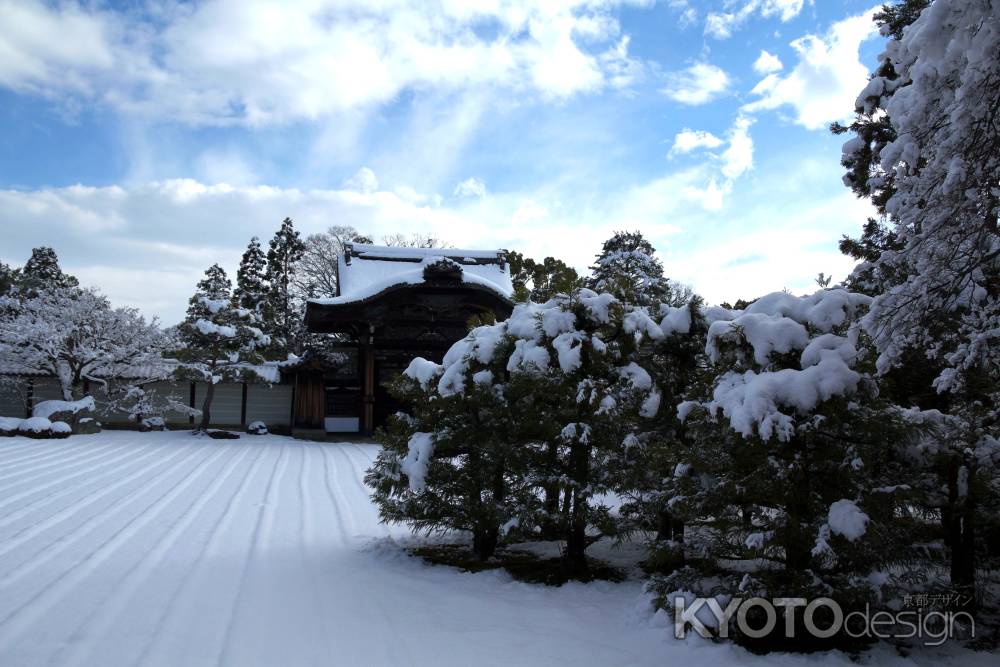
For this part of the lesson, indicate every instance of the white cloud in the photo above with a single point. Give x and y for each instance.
(826, 80)
(147, 245)
(688, 140)
(721, 25)
(767, 63)
(738, 156)
(257, 62)
(698, 84)
(363, 181)
(470, 187)
(686, 14)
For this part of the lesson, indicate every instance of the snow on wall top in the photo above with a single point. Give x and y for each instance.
(153, 370)
(365, 270)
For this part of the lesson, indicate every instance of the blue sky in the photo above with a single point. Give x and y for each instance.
(145, 141)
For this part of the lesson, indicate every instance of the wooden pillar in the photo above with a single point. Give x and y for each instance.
(191, 401)
(367, 369)
(243, 406)
(294, 408)
(29, 398)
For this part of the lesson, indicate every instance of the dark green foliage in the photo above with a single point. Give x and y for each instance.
(41, 271)
(540, 281)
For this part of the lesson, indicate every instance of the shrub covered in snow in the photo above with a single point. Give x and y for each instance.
(40, 427)
(152, 424)
(257, 428)
(9, 425)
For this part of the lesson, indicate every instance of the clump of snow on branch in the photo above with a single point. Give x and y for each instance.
(760, 390)
(847, 520)
(421, 448)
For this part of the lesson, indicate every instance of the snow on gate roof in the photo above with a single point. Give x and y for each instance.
(366, 270)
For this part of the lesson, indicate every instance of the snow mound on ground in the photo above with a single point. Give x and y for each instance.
(257, 427)
(48, 408)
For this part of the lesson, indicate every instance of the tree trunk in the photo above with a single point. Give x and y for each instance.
(485, 540)
(550, 526)
(576, 538)
(960, 527)
(668, 528)
(206, 407)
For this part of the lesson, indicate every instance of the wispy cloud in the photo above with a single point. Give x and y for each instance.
(256, 62)
(826, 79)
(698, 84)
(721, 25)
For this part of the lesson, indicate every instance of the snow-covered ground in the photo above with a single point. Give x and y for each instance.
(165, 549)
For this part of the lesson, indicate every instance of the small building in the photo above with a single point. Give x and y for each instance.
(392, 305)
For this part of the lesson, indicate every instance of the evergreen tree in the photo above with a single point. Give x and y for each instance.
(628, 269)
(42, 271)
(925, 153)
(660, 448)
(220, 340)
(552, 394)
(284, 310)
(793, 458)
(8, 278)
(251, 286)
(540, 281)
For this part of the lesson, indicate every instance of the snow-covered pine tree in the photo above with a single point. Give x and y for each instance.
(42, 271)
(75, 335)
(565, 391)
(659, 448)
(220, 340)
(795, 460)
(453, 462)
(926, 150)
(251, 278)
(283, 315)
(628, 269)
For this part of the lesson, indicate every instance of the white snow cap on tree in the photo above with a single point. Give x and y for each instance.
(765, 399)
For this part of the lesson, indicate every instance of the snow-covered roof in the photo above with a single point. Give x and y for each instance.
(366, 270)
